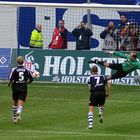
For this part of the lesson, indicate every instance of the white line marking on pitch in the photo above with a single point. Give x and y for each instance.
(65, 86)
(82, 100)
(72, 133)
(49, 86)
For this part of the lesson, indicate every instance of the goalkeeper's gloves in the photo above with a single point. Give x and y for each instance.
(109, 52)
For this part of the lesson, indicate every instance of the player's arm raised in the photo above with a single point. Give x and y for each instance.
(119, 54)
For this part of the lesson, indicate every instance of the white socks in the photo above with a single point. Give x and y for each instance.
(100, 108)
(90, 119)
(19, 109)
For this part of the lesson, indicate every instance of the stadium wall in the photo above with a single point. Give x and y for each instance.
(63, 66)
(8, 27)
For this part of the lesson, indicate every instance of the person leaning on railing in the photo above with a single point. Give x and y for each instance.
(36, 40)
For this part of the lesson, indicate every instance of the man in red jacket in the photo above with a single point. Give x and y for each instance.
(59, 38)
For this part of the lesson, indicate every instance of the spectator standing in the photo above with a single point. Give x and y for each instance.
(123, 23)
(36, 40)
(110, 37)
(138, 43)
(129, 37)
(125, 40)
(59, 38)
(133, 32)
(83, 35)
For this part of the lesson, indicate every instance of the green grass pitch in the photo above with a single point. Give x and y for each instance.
(59, 112)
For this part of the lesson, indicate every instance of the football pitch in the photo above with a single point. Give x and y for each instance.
(59, 112)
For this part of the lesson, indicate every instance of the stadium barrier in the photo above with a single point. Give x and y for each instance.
(67, 66)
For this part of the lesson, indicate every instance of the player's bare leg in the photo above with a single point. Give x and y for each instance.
(106, 64)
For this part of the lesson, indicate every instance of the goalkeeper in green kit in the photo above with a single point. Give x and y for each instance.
(130, 64)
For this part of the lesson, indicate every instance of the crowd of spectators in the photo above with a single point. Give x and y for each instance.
(124, 37)
(59, 40)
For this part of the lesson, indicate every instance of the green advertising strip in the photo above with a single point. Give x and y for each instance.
(68, 66)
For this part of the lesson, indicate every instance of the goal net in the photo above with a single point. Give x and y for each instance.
(19, 19)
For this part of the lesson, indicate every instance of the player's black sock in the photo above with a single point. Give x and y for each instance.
(92, 61)
(96, 62)
(14, 110)
(100, 62)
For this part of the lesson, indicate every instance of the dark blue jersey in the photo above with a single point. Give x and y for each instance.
(20, 75)
(97, 83)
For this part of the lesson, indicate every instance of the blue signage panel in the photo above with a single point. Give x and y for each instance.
(5, 54)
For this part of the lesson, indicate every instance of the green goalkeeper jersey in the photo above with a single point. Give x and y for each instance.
(128, 65)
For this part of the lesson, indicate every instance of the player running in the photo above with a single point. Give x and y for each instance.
(19, 78)
(97, 87)
(130, 64)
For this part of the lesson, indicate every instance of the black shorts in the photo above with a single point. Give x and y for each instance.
(119, 73)
(19, 92)
(97, 98)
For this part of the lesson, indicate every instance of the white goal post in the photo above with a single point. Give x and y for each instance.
(65, 5)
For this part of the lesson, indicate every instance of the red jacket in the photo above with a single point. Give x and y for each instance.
(59, 39)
